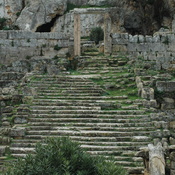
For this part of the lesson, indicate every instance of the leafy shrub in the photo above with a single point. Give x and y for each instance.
(61, 156)
(56, 47)
(97, 34)
(2, 22)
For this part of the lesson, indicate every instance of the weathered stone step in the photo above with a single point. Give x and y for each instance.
(95, 120)
(57, 85)
(99, 124)
(111, 148)
(65, 83)
(46, 112)
(84, 114)
(92, 133)
(91, 53)
(19, 155)
(95, 114)
(65, 107)
(93, 138)
(64, 103)
(80, 101)
(66, 94)
(111, 153)
(83, 98)
(70, 90)
(124, 112)
(31, 143)
(42, 128)
(22, 150)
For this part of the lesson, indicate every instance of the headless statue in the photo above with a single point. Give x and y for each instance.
(156, 159)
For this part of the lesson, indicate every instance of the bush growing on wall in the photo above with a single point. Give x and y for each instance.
(61, 156)
(97, 34)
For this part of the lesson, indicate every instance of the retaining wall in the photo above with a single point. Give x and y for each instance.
(17, 45)
(158, 48)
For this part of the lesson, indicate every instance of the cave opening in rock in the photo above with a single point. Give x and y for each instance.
(48, 26)
(23, 4)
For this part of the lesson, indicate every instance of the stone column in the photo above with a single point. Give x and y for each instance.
(156, 159)
(107, 37)
(77, 35)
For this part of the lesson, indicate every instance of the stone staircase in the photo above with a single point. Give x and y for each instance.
(96, 106)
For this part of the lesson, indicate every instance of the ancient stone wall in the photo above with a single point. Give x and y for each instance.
(158, 48)
(18, 45)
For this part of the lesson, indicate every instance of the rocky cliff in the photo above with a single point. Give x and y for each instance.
(133, 16)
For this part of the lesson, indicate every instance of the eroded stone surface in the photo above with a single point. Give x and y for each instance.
(40, 12)
(156, 159)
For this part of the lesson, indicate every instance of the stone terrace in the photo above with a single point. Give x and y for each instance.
(97, 106)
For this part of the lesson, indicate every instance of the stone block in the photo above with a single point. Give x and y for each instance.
(19, 132)
(7, 109)
(172, 141)
(172, 172)
(133, 39)
(3, 35)
(172, 124)
(141, 39)
(20, 120)
(172, 156)
(148, 39)
(2, 150)
(153, 103)
(4, 140)
(159, 47)
(156, 39)
(168, 103)
(164, 86)
(173, 165)
(119, 48)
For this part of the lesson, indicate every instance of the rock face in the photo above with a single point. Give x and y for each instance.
(10, 8)
(37, 13)
(65, 24)
(134, 16)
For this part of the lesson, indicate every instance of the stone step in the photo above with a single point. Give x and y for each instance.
(64, 82)
(67, 103)
(80, 101)
(22, 150)
(86, 114)
(65, 107)
(81, 124)
(42, 128)
(92, 133)
(124, 112)
(66, 94)
(91, 53)
(88, 120)
(133, 140)
(83, 98)
(112, 153)
(70, 90)
(58, 85)
(29, 143)
(94, 138)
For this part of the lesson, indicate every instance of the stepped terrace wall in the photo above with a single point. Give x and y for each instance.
(18, 45)
(158, 48)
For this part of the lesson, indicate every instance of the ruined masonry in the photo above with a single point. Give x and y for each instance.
(115, 100)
